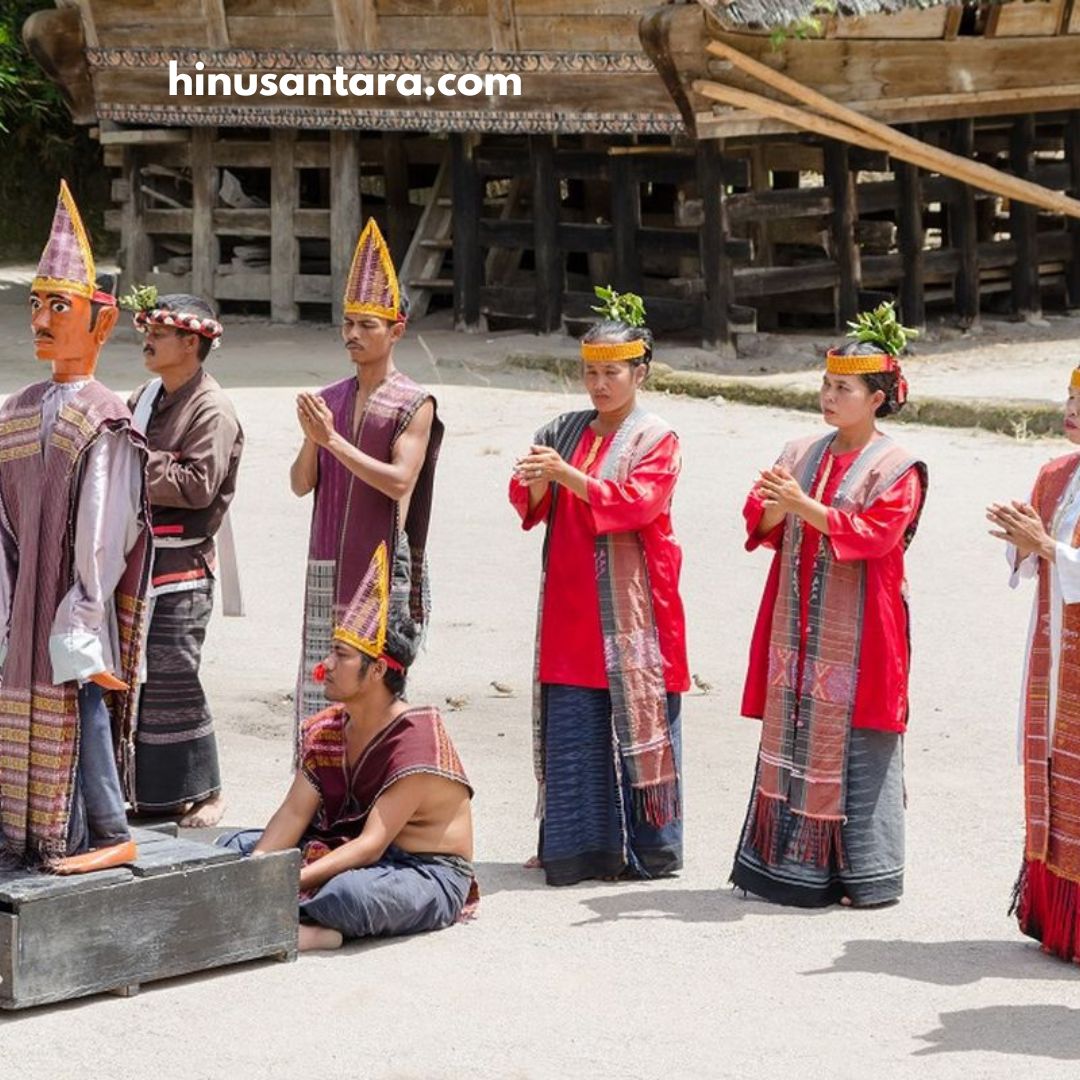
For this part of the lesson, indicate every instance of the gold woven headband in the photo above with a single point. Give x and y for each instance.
(601, 352)
(1074, 381)
(836, 364)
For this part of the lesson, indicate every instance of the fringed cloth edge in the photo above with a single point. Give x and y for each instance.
(1047, 907)
(814, 840)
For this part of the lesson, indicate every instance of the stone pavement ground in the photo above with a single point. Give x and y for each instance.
(675, 978)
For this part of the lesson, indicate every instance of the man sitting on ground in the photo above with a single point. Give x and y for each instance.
(380, 803)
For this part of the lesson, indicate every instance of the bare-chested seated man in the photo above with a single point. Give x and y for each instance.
(380, 805)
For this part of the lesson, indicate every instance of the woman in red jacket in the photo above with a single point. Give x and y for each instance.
(611, 642)
(830, 652)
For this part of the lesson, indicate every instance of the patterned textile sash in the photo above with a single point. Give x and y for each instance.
(350, 518)
(635, 666)
(1052, 773)
(416, 742)
(39, 721)
(802, 759)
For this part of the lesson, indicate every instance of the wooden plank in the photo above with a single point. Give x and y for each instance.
(1024, 223)
(468, 263)
(779, 204)
(86, 13)
(9, 930)
(135, 243)
(503, 26)
(169, 222)
(205, 247)
(355, 25)
(396, 184)
(626, 220)
(963, 229)
(455, 32)
(91, 940)
(170, 855)
(589, 33)
(715, 266)
(312, 222)
(842, 229)
(21, 887)
(284, 246)
(911, 241)
(890, 26)
(242, 286)
(230, 222)
(313, 32)
(217, 30)
(1040, 18)
(144, 136)
(1072, 159)
(550, 270)
(314, 289)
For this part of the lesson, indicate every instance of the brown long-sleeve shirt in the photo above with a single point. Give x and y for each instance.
(195, 443)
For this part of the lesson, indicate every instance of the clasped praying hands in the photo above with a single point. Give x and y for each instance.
(1019, 524)
(781, 491)
(316, 419)
(540, 465)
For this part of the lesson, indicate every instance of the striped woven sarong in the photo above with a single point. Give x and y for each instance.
(175, 749)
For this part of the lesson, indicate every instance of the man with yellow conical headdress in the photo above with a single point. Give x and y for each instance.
(380, 804)
(73, 578)
(371, 442)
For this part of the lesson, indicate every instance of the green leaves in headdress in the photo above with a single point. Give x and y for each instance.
(881, 327)
(627, 308)
(141, 298)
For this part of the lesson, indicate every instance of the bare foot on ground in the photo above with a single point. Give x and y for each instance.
(319, 937)
(533, 863)
(205, 814)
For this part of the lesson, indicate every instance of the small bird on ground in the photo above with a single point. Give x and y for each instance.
(456, 703)
(502, 689)
(701, 684)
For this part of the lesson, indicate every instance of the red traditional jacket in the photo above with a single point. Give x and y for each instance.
(571, 639)
(876, 536)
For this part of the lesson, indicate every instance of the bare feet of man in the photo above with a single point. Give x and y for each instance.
(205, 814)
(319, 937)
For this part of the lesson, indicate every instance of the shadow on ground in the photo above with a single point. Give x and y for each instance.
(949, 963)
(1046, 1031)
(643, 900)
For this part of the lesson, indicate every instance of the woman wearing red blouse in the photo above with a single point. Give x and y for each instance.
(830, 652)
(611, 642)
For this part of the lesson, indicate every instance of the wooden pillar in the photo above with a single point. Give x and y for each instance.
(625, 221)
(1072, 157)
(964, 228)
(911, 242)
(284, 245)
(1024, 221)
(138, 249)
(345, 212)
(548, 257)
(396, 179)
(468, 204)
(205, 247)
(715, 265)
(839, 181)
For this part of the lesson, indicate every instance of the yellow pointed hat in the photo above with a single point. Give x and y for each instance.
(372, 287)
(67, 263)
(363, 626)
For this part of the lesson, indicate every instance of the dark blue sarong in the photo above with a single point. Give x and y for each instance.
(588, 829)
(402, 893)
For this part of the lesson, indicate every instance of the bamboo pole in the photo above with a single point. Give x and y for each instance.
(903, 147)
(895, 142)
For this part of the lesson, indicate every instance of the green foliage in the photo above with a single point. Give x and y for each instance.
(627, 308)
(881, 327)
(141, 298)
(39, 144)
(809, 26)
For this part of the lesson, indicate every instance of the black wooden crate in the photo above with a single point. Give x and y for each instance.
(184, 906)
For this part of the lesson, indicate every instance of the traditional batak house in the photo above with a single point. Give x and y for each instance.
(767, 163)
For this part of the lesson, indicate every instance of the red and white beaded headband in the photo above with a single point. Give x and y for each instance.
(195, 324)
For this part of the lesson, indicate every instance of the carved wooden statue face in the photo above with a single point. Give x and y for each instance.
(64, 336)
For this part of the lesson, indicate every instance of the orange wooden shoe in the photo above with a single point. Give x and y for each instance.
(104, 858)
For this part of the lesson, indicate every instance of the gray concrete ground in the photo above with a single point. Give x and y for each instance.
(677, 978)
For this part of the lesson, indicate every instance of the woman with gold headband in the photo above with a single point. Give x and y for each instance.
(829, 658)
(611, 640)
(1044, 543)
